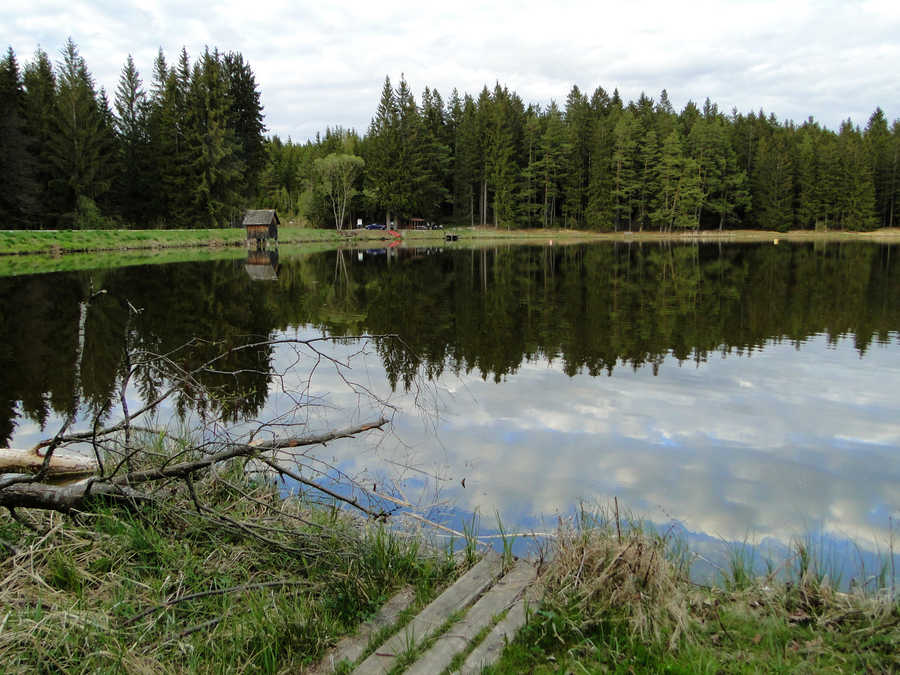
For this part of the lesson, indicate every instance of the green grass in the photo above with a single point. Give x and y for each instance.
(17, 265)
(615, 600)
(56, 242)
(164, 589)
(67, 241)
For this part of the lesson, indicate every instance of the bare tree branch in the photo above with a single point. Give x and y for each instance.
(64, 498)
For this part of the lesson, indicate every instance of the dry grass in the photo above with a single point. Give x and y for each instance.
(598, 572)
(619, 599)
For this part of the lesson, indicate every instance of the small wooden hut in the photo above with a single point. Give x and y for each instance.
(261, 225)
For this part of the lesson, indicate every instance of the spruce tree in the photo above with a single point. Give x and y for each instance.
(411, 162)
(134, 189)
(624, 161)
(554, 148)
(433, 190)
(466, 161)
(857, 199)
(18, 188)
(648, 177)
(668, 178)
(882, 162)
(599, 212)
(215, 169)
(773, 182)
(82, 143)
(245, 117)
(531, 208)
(579, 127)
(383, 153)
(170, 205)
(40, 105)
(502, 161)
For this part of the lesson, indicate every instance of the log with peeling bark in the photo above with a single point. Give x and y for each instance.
(75, 494)
(63, 465)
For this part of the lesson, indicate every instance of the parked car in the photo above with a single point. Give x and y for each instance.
(376, 226)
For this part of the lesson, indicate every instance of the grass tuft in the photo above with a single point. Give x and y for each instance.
(618, 597)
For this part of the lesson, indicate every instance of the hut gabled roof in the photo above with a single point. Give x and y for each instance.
(261, 217)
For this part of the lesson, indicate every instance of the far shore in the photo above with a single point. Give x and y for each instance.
(62, 242)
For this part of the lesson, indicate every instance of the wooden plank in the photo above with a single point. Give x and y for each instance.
(487, 653)
(352, 647)
(457, 639)
(459, 596)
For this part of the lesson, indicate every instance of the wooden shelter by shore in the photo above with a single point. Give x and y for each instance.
(261, 225)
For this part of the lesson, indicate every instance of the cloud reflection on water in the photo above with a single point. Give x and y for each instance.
(766, 446)
(770, 446)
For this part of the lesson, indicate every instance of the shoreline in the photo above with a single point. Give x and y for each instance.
(66, 242)
(145, 248)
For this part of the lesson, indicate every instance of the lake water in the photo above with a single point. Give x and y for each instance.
(746, 395)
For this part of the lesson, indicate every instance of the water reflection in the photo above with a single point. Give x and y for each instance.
(741, 390)
(743, 448)
(262, 265)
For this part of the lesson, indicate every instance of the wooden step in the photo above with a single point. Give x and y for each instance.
(493, 644)
(458, 597)
(497, 600)
(350, 648)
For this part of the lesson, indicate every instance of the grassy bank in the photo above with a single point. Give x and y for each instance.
(75, 241)
(164, 588)
(618, 600)
(42, 263)
(56, 242)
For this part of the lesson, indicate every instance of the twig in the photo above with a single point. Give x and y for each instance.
(434, 524)
(219, 519)
(199, 626)
(321, 488)
(190, 485)
(22, 520)
(618, 527)
(280, 512)
(722, 625)
(217, 591)
(241, 450)
(94, 444)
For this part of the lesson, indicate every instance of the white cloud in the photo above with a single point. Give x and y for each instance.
(323, 64)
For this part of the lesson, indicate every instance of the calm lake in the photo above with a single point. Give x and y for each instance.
(744, 395)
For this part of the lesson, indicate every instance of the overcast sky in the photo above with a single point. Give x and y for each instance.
(323, 64)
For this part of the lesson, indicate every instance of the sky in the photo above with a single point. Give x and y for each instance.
(323, 64)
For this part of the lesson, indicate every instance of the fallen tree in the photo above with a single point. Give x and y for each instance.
(30, 492)
(132, 460)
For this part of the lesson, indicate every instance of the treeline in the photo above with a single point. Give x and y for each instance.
(598, 163)
(186, 153)
(190, 152)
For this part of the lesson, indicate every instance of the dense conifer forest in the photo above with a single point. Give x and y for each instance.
(190, 151)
